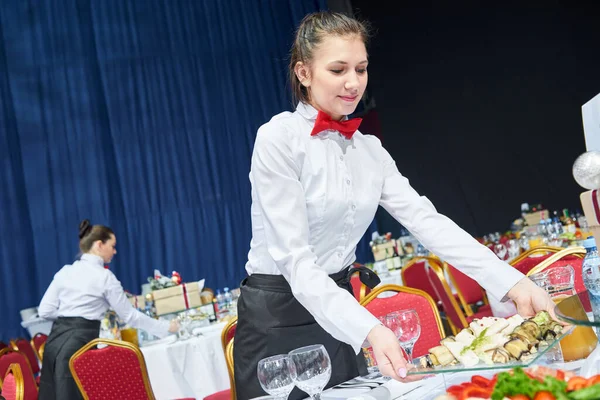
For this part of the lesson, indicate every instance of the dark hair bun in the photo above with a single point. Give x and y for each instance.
(84, 228)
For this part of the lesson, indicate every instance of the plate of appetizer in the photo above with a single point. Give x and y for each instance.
(493, 343)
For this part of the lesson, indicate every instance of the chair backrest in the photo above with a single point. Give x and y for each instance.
(117, 371)
(532, 257)
(24, 346)
(468, 290)
(432, 330)
(13, 387)
(9, 357)
(37, 341)
(457, 319)
(414, 275)
(3, 345)
(227, 337)
(572, 256)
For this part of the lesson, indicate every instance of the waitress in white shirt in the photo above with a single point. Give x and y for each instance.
(316, 184)
(77, 299)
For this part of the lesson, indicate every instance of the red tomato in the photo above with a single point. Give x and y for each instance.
(544, 396)
(593, 380)
(475, 391)
(480, 381)
(455, 390)
(575, 383)
(519, 397)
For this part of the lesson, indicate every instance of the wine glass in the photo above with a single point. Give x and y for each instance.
(313, 368)
(500, 250)
(408, 329)
(276, 375)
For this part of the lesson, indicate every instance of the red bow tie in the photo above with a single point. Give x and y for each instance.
(346, 128)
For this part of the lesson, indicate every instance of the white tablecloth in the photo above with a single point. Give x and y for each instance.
(190, 368)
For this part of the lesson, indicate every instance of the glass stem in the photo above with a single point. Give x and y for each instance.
(316, 396)
(409, 350)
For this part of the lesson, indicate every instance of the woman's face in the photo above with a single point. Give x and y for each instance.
(337, 75)
(107, 250)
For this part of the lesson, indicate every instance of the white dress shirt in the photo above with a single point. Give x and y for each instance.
(86, 289)
(313, 198)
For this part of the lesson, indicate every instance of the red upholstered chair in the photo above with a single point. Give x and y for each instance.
(432, 330)
(456, 318)
(9, 357)
(468, 290)
(25, 347)
(13, 387)
(36, 342)
(415, 276)
(117, 371)
(533, 257)
(572, 256)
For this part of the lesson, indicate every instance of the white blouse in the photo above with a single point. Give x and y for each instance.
(313, 198)
(86, 289)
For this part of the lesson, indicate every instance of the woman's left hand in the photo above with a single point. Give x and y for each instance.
(531, 299)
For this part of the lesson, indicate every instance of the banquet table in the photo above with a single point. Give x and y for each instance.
(366, 388)
(194, 367)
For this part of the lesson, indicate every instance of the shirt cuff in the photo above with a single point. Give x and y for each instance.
(363, 330)
(504, 278)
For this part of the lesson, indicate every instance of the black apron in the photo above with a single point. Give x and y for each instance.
(271, 321)
(68, 335)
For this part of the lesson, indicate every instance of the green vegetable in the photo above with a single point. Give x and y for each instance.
(481, 339)
(588, 393)
(519, 383)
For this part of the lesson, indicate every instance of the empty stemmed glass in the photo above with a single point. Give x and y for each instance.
(500, 250)
(407, 328)
(276, 375)
(313, 369)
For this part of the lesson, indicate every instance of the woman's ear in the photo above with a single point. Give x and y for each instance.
(302, 73)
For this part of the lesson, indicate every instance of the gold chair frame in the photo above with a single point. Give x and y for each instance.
(228, 350)
(15, 369)
(574, 251)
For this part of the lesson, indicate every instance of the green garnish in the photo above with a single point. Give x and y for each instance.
(479, 340)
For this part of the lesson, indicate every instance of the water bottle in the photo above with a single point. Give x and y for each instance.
(591, 275)
(220, 303)
(227, 298)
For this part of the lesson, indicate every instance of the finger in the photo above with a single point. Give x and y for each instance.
(399, 364)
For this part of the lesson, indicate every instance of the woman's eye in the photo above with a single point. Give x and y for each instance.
(336, 71)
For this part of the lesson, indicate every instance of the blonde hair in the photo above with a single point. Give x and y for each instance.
(310, 33)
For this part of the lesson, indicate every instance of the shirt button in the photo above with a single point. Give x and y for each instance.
(353, 207)
(348, 181)
(341, 158)
(340, 255)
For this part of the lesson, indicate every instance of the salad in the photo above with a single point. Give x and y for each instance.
(536, 383)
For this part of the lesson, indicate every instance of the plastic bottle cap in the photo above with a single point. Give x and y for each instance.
(589, 242)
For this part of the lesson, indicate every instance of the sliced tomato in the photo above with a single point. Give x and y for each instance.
(480, 381)
(560, 375)
(593, 380)
(455, 390)
(544, 396)
(575, 383)
(519, 397)
(475, 391)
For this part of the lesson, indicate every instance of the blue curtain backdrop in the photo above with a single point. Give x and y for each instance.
(140, 115)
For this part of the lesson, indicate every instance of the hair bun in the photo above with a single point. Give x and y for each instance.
(84, 228)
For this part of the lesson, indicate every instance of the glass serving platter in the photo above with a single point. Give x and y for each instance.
(535, 358)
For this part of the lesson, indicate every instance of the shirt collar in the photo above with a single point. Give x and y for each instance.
(309, 112)
(93, 259)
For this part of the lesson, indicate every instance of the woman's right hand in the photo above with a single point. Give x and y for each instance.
(388, 354)
(174, 326)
